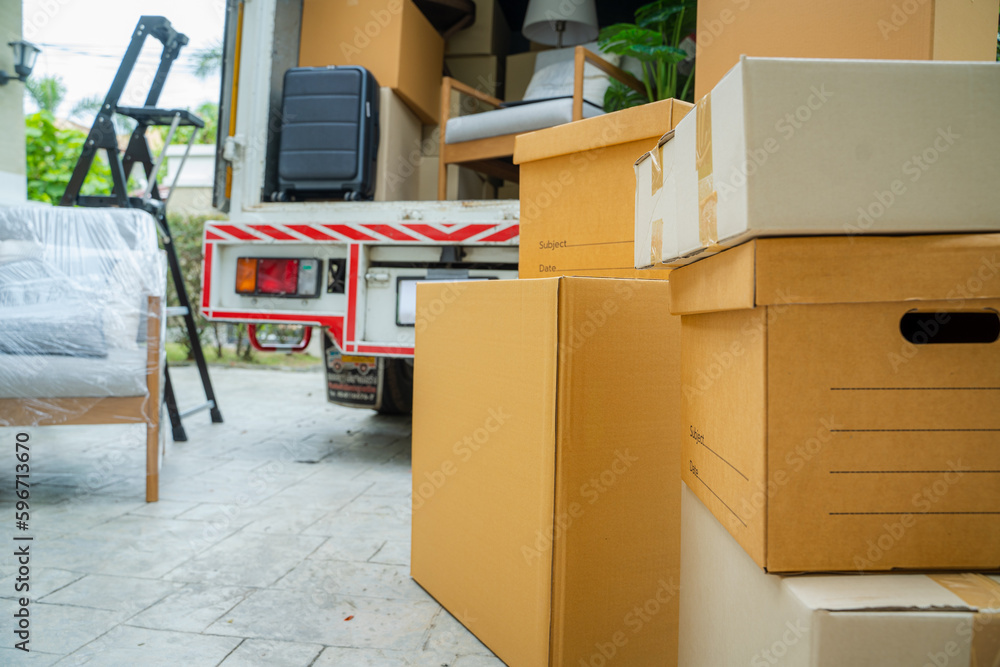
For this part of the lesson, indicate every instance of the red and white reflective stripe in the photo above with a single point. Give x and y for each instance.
(353, 255)
(397, 232)
(206, 277)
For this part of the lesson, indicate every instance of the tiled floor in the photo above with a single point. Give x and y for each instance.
(281, 538)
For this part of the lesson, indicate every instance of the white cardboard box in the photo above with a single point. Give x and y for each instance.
(655, 203)
(786, 147)
(732, 613)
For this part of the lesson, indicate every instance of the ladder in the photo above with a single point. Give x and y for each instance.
(102, 136)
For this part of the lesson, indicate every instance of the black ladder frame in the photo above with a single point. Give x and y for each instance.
(102, 136)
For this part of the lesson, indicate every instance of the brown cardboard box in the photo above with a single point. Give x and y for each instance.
(833, 417)
(430, 140)
(462, 183)
(397, 167)
(545, 500)
(509, 191)
(520, 69)
(389, 37)
(867, 29)
(489, 35)
(734, 614)
(484, 73)
(578, 192)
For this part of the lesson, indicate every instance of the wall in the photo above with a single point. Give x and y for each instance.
(12, 181)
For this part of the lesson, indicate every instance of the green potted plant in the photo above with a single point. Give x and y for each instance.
(654, 40)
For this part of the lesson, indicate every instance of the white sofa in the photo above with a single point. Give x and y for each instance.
(81, 334)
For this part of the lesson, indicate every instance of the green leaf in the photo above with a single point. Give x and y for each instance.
(660, 12)
(618, 96)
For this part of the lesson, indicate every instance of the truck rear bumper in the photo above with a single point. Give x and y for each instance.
(364, 266)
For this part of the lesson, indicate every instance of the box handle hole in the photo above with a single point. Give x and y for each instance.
(943, 328)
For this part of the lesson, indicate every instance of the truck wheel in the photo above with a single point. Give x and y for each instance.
(397, 387)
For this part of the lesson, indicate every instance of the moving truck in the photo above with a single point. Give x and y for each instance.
(348, 268)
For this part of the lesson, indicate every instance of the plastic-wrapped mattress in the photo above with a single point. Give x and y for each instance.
(74, 288)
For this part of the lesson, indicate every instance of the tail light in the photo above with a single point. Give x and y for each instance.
(271, 276)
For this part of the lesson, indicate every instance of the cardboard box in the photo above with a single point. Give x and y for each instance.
(578, 192)
(867, 29)
(488, 35)
(398, 162)
(734, 614)
(840, 406)
(798, 147)
(520, 68)
(462, 183)
(484, 73)
(542, 449)
(655, 203)
(509, 191)
(389, 37)
(430, 140)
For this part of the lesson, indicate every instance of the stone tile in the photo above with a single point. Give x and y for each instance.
(120, 556)
(164, 509)
(367, 503)
(448, 635)
(65, 517)
(358, 549)
(126, 595)
(365, 453)
(478, 661)
(241, 487)
(396, 485)
(348, 579)
(62, 629)
(317, 617)
(42, 581)
(12, 656)
(247, 559)
(237, 512)
(191, 609)
(127, 646)
(314, 494)
(334, 656)
(357, 524)
(310, 449)
(270, 653)
(258, 518)
(393, 552)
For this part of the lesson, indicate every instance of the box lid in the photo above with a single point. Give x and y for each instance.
(659, 144)
(840, 269)
(635, 124)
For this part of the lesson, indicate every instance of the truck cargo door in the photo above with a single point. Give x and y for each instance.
(224, 147)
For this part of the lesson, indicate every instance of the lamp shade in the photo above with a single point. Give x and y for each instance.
(545, 17)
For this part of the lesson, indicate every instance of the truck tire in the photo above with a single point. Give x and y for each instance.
(397, 387)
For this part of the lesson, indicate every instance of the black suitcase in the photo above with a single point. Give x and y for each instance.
(329, 133)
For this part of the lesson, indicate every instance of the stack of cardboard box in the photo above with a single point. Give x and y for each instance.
(404, 52)
(827, 392)
(475, 56)
(839, 409)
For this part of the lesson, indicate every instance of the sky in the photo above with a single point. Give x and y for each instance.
(83, 42)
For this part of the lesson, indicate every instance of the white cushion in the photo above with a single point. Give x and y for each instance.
(121, 373)
(554, 70)
(514, 120)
